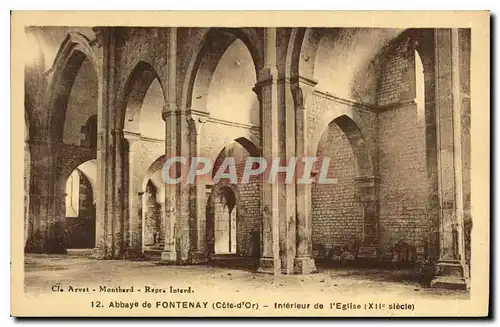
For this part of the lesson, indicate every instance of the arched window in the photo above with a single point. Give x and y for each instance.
(419, 87)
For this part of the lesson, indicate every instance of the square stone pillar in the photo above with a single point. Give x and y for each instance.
(286, 191)
(119, 228)
(106, 149)
(304, 263)
(134, 245)
(182, 226)
(110, 210)
(46, 198)
(197, 200)
(209, 235)
(169, 115)
(267, 92)
(169, 254)
(451, 270)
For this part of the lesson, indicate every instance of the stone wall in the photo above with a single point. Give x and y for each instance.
(403, 178)
(396, 81)
(404, 183)
(249, 218)
(466, 137)
(337, 214)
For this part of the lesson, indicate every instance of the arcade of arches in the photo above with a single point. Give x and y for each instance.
(105, 106)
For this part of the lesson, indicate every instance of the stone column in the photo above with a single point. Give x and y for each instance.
(28, 226)
(141, 219)
(302, 89)
(451, 270)
(169, 254)
(119, 226)
(209, 234)
(266, 89)
(46, 226)
(178, 226)
(183, 237)
(197, 200)
(169, 114)
(106, 151)
(368, 187)
(134, 216)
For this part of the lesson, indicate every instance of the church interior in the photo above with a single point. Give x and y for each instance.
(106, 106)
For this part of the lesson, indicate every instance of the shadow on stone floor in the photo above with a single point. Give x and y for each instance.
(375, 271)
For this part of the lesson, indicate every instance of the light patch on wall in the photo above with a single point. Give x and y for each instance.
(419, 88)
(230, 95)
(156, 179)
(73, 194)
(43, 43)
(72, 197)
(151, 122)
(89, 169)
(343, 63)
(154, 174)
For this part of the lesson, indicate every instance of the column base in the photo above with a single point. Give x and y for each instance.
(450, 282)
(100, 254)
(287, 266)
(452, 275)
(50, 246)
(168, 258)
(269, 266)
(197, 257)
(304, 265)
(134, 254)
(32, 246)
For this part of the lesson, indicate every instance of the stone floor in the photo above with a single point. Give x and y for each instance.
(43, 271)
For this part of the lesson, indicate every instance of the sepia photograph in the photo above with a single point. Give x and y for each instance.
(267, 167)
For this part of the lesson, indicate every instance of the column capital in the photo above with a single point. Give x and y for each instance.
(117, 132)
(131, 136)
(302, 88)
(303, 81)
(196, 119)
(169, 109)
(267, 76)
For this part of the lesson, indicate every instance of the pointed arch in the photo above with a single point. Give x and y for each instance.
(352, 126)
(132, 97)
(316, 54)
(246, 143)
(153, 168)
(301, 53)
(75, 48)
(205, 55)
